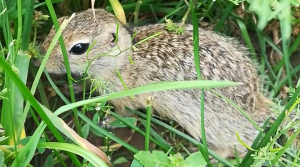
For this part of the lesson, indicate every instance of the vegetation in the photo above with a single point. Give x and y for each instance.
(29, 130)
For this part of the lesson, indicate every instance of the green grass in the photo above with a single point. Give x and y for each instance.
(19, 107)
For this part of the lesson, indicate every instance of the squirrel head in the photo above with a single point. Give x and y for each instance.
(101, 44)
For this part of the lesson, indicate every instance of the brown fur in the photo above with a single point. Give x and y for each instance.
(169, 57)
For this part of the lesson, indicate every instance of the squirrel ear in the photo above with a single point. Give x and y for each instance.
(113, 40)
(61, 19)
(117, 31)
(114, 30)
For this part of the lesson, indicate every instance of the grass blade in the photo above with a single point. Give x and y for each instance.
(203, 150)
(76, 150)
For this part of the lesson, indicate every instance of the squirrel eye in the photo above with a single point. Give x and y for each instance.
(79, 48)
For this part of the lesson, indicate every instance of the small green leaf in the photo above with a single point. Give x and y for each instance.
(177, 159)
(120, 160)
(136, 163)
(96, 118)
(120, 124)
(96, 132)
(49, 161)
(41, 150)
(85, 130)
(161, 157)
(157, 158)
(25, 140)
(195, 159)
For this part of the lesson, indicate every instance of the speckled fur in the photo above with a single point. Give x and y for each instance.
(169, 57)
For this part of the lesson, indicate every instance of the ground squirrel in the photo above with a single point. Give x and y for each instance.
(168, 57)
